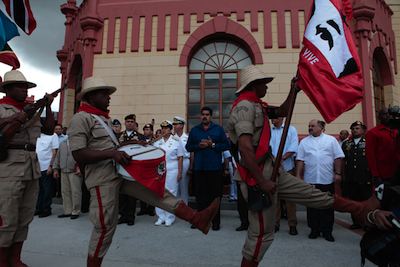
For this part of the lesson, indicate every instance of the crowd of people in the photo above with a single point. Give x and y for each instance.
(84, 158)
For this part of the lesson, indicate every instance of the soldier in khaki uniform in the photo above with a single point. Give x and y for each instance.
(19, 171)
(245, 129)
(93, 144)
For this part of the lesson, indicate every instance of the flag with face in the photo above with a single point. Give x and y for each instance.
(329, 68)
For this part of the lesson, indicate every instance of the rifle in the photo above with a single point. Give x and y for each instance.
(11, 125)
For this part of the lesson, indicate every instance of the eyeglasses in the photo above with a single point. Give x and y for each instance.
(205, 114)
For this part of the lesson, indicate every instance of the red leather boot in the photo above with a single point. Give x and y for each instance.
(248, 263)
(200, 219)
(15, 255)
(4, 252)
(93, 261)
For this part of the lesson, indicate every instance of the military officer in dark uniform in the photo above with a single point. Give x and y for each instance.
(144, 207)
(127, 204)
(357, 179)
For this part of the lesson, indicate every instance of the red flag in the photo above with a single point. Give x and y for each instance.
(20, 11)
(7, 56)
(329, 67)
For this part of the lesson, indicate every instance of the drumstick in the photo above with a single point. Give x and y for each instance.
(144, 152)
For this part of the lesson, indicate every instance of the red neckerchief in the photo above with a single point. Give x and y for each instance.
(263, 145)
(93, 110)
(10, 101)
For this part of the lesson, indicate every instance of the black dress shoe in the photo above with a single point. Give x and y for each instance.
(122, 220)
(313, 235)
(277, 228)
(293, 230)
(193, 226)
(141, 213)
(329, 237)
(45, 214)
(131, 222)
(242, 227)
(36, 213)
(64, 215)
(75, 216)
(151, 213)
(215, 227)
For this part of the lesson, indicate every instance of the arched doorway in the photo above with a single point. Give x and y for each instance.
(381, 77)
(75, 79)
(213, 78)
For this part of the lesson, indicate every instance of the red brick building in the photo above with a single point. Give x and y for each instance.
(170, 57)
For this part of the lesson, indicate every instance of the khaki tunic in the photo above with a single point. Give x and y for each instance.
(86, 132)
(21, 164)
(19, 175)
(247, 118)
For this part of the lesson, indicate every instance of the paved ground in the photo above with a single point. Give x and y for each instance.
(63, 243)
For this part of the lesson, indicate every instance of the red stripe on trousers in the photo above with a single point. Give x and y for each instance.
(103, 226)
(260, 236)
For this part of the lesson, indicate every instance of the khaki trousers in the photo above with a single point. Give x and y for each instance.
(104, 209)
(103, 214)
(290, 210)
(17, 207)
(71, 192)
(261, 224)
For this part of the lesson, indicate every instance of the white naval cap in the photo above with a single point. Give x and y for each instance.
(179, 120)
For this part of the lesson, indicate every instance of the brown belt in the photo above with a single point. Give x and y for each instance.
(27, 147)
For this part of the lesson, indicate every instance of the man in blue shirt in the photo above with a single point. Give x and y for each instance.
(289, 152)
(207, 140)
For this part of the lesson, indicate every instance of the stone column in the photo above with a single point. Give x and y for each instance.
(363, 14)
(91, 23)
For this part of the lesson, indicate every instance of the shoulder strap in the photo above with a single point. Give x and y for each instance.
(107, 128)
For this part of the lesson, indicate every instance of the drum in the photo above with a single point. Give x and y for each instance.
(147, 166)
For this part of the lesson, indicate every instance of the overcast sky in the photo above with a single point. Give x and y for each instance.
(37, 52)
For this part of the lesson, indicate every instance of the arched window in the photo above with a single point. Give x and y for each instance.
(213, 79)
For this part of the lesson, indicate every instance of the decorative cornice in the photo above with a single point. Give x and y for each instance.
(363, 14)
(69, 9)
(62, 55)
(90, 25)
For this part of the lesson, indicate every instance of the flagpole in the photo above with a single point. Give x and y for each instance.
(278, 159)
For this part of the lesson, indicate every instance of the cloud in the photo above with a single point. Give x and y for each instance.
(37, 52)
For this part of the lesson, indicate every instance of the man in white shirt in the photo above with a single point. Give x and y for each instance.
(58, 130)
(319, 162)
(46, 150)
(289, 152)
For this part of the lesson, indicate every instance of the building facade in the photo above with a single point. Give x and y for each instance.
(170, 58)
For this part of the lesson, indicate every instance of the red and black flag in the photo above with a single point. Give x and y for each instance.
(20, 11)
(7, 56)
(329, 67)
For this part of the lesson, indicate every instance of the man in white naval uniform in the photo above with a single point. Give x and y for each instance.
(173, 158)
(183, 186)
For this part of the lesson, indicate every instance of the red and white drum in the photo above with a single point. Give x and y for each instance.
(147, 166)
